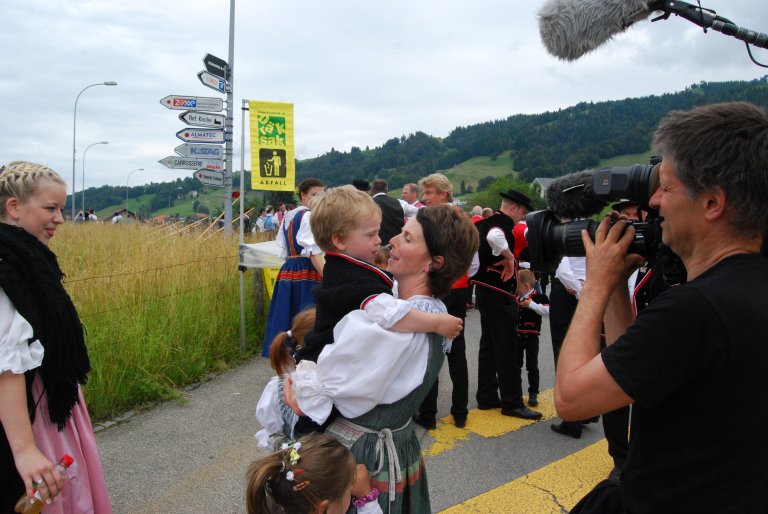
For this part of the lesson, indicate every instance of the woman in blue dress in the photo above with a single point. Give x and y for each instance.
(302, 269)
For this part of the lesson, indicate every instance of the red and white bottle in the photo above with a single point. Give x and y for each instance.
(36, 504)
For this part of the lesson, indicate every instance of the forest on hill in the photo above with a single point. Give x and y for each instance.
(527, 145)
(541, 145)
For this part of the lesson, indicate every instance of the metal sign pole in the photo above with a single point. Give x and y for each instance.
(229, 123)
(244, 110)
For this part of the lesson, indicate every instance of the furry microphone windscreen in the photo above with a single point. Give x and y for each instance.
(570, 196)
(571, 28)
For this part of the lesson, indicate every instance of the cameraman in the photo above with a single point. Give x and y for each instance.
(681, 361)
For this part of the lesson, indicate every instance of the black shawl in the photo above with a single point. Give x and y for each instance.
(31, 277)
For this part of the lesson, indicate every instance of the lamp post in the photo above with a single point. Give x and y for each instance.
(74, 129)
(126, 188)
(85, 152)
(169, 199)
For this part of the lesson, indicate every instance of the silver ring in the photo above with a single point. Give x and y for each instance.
(37, 482)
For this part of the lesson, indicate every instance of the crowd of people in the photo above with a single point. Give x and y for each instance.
(372, 300)
(623, 349)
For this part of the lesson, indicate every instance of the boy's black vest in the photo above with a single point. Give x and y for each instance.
(529, 322)
(489, 275)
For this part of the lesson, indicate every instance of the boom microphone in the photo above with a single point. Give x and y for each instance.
(570, 196)
(571, 28)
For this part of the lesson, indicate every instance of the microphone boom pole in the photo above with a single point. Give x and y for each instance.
(707, 19)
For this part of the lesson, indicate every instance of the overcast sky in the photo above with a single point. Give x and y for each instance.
(358, 72)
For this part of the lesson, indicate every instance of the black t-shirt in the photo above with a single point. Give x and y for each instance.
(691, 352)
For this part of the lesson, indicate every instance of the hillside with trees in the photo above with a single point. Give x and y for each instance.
(539, 145)
(473, 157)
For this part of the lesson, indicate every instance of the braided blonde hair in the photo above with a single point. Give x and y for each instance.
(19, 179)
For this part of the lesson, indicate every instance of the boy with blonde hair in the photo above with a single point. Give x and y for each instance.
(345, 224)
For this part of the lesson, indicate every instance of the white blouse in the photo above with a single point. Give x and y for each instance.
(367, 364)
(304, 236)
(384, 310)
(17, 355)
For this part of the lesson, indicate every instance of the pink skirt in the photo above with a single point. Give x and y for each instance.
(85, 490)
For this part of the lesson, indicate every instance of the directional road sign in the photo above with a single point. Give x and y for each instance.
(201, 135)
(210, 178)
(193, 103)
(187, 163)
(203, 119)
(212, 81)
(200, 151)
(215, 66)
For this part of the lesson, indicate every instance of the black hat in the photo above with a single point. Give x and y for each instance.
(362, 185)
(519, 198)
(624, 203)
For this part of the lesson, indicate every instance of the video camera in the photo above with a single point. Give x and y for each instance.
(585, 194)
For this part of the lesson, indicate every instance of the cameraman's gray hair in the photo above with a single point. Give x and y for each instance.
(722, 145)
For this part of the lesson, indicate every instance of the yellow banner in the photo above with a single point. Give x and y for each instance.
(273, 167)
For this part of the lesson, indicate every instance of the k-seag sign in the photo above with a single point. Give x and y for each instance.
(200, 151)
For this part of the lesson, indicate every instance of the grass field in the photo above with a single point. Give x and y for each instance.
(160, 309)
(472, 170)
(211, 198)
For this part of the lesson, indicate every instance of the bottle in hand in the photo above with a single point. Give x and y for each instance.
(36, 504)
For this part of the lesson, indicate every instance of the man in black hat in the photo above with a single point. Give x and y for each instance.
(498, 373)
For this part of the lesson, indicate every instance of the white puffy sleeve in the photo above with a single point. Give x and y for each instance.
(366, 365)
(305, 238)
(385, 310)
(17, 355)
(268, 413)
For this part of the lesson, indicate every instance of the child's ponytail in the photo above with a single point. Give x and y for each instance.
(285, 344)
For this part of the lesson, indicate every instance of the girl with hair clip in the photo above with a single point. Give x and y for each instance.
(317, 475)
(273, 415)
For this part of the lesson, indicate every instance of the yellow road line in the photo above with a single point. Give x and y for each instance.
(555, 488)
(485, 423)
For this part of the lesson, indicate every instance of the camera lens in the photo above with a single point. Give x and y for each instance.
(637, 182)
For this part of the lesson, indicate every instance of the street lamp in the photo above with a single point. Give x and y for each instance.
(85, 152)
(169, 199)
(126, 188)
(74, 128)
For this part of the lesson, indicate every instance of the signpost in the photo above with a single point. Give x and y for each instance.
(212, 81)
(200, 151)
(186, 163)
(201, 135)
(216, 66)
(193, 103)
(202, 119)
(210, 178)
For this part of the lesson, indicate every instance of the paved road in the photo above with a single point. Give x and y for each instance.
(191, 457)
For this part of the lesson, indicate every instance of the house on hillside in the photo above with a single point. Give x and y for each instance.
(540, 185)
(123, 214)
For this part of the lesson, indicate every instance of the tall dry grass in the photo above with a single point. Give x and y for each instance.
(160, 308)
